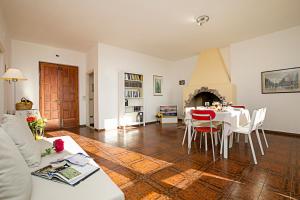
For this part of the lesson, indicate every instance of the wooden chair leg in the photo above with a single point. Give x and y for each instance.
(252, 148)
(259, 142)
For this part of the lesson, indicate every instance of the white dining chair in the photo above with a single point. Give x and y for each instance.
(187, 114)
(247, 130)
(261, 123)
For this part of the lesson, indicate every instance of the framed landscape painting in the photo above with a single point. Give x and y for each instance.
(281, 81)
(157, 85)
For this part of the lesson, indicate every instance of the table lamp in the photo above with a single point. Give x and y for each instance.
(13, 75)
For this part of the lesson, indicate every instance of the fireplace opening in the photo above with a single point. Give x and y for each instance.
(201, 98)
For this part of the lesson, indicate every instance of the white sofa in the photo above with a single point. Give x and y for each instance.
(20, 155)
(97, 187)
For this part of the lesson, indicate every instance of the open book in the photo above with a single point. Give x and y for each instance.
(66, 173)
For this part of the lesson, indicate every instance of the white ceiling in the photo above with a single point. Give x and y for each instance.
(162, 28)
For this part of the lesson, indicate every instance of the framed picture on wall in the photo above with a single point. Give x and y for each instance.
(157, 85)
(280, 81)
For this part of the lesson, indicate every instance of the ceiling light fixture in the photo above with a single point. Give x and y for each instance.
(200, 20)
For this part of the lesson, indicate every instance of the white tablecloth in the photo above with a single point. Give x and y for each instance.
(231, 118)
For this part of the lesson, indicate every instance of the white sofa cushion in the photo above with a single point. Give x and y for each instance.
(15, 179)
(20, 133)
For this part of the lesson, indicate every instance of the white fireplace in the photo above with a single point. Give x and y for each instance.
(210, 81)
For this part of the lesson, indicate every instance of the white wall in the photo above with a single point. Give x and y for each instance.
(181, 70)
(112, 60)
(4, 59)
(92, 66)
(249, 58)
(26, 57)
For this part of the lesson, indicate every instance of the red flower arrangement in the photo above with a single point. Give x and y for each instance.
(31, 119)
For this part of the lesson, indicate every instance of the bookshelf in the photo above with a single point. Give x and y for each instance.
(131, 99)
(169, 114)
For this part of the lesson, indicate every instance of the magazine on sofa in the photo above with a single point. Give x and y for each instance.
(66, 173)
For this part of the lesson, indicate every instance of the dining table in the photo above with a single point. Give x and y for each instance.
(230, 117)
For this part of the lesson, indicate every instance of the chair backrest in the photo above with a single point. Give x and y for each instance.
(203, 115)
(255, 119)
(187, 110)
(263, 115)
(237, 106)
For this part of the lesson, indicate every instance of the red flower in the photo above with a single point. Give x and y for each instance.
(58, 145)
(31, 119)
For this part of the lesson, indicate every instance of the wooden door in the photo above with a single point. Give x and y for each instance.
(49, 95)
(69, 96)
(59, 95)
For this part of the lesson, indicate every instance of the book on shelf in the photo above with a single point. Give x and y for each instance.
(133, 77)
(65, 172)
(134, 84)
(132, 94)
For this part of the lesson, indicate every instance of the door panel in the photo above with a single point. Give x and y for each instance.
(69, 96)
(49, 95)
(59, 95)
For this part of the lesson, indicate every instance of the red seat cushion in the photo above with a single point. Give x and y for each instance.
(206, 129)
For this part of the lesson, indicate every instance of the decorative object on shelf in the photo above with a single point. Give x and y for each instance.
(280, 81)
(157, 85)
(37, 126)
(58, 146)
(24, 104)
(13, 75)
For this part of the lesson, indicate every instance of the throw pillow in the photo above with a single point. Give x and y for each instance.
(20, 133)
(15, 178)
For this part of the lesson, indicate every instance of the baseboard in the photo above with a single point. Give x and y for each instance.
(282, 133)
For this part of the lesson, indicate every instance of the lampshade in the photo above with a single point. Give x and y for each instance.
(13, 74)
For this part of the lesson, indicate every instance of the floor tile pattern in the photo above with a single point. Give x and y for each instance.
(150, 163)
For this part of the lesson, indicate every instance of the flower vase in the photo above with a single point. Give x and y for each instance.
(39, 134)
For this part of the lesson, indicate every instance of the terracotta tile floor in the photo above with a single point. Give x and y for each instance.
(150, 163)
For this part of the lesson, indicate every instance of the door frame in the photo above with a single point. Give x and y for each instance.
(40, 90)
